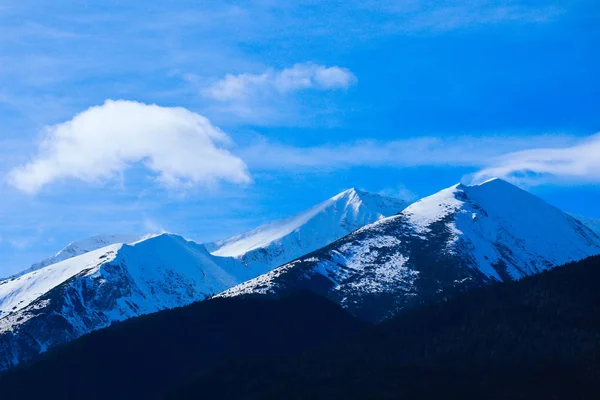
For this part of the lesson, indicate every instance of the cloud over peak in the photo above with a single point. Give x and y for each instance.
(179, 146)
(578, 162)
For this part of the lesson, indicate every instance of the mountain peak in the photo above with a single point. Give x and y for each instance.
(349, 191)
(492, 181)
(352, 194)
(497, 184)
(280, 241)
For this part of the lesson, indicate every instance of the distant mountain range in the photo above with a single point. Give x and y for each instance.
(93, 283)
(457, 239)
(368, 253)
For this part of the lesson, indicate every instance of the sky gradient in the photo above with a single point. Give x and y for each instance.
(209, 119)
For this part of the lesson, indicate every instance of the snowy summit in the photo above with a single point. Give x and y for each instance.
(281, 241)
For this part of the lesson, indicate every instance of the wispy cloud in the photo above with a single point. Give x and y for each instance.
(577, 163)
(271, 95)
(181, 147)
(466, 151)
(246, 86)
(455, 15)
(522, 159)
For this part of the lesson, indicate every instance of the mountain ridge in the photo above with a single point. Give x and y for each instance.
(83, 288)
(81, 247)
(459, 238)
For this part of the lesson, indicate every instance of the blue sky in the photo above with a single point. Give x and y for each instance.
(208, 119)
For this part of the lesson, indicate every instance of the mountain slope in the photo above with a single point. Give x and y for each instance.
(63, 301)
(592, 223)
(459, 238)
(80, 247)
(278, 242)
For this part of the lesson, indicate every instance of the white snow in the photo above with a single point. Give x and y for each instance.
(428, 210)
(17, 293)
(169, 271)
(520, 229)
(163, 271)
(278, 242)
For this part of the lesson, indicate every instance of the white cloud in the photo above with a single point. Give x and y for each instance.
(466, 151)
(522, 159)
(298, 77)
(579, 162)
(181, 147)
(459, 14)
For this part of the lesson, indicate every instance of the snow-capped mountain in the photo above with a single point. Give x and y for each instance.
(65, 300)
(456, 239)
(80, 247)
(92, 283)
(278, 242)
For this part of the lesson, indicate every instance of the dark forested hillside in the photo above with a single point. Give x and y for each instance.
(535, 338)
(144, 357)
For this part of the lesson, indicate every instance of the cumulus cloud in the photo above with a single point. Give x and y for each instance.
(178, 146)
(579, 162)
(298, 77)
